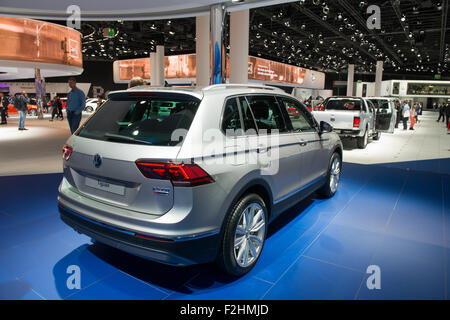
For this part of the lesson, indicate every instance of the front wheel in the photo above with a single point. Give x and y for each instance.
(244, 236)
(333, 177)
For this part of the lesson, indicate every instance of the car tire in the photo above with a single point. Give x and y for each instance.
(333, 177)
(363, 141)
(89, 109)
(32, 113)
(239, 260)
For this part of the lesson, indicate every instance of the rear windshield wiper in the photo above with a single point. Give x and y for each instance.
(125, 138)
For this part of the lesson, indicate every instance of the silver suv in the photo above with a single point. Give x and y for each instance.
(185, 177)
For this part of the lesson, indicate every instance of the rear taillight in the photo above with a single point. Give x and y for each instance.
(181, 175)
(356, 122)
(67, 152)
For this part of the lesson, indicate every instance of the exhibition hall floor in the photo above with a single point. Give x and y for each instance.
(392, 211)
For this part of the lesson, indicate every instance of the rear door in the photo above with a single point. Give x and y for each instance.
(314, 161)
(126, 129)
(285, 158)
(385, 115)
(371, 115)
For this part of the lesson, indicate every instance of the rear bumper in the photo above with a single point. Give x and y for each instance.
(171, 252)
(349, 133)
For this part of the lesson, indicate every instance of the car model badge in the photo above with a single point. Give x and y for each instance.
(97, 160)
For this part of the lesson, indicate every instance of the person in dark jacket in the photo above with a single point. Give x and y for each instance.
(441, 113)
(4, 102)
(21, 104)
(57, 109)
(398, 108)
(447, 113)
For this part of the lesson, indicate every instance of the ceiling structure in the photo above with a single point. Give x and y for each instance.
(324, 35)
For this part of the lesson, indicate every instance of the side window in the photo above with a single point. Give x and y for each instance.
(247, 116)
(231, 120)
(301, 120)
(371, 106)
(267, 114)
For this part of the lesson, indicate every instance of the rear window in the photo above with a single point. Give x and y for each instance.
(140, 121)
(344, 105)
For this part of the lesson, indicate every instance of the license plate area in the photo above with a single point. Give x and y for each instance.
(105, 186)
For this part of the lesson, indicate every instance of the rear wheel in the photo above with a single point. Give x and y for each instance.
(333, 177)
(32, 112)
(89, 109)
(364, 140)
(244, 236)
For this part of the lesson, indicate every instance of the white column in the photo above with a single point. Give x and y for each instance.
(161, 67)
(157, 67)
(378, 78)
(239, 29)
(202, 49)
(153, 69)
(350, 79)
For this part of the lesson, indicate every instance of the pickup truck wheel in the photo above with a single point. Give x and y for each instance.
(364, 140)
(333, 177)
(244, 236)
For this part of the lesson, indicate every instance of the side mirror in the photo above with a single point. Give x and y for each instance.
(325, 127)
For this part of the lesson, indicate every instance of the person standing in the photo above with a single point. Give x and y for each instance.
(3, 107)
(406, 113)
(136, 82)
(76, 102)
(398, 109)
(441, 112)
(447, 114)
(99, 102)
(57, 109)
(21, 104)
(412, 117)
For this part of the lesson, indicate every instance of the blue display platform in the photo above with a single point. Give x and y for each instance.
(396, 219)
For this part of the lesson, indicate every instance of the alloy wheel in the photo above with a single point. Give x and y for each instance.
(335, 174)
(249, 235)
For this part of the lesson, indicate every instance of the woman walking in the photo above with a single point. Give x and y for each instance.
(412, 117)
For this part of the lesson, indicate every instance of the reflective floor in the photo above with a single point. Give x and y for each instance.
(393, 218)
(392, 211)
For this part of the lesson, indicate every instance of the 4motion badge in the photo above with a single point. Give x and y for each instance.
(161, 191)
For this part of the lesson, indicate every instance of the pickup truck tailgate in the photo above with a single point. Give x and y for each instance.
(340, 120)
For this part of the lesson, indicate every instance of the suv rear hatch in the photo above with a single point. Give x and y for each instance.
(131, 126)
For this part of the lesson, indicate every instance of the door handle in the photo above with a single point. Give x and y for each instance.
(263, 148)
(303, 143)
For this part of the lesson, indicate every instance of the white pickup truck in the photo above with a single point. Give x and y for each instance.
(352, 117)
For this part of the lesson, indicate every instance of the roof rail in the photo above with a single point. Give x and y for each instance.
(243, 86)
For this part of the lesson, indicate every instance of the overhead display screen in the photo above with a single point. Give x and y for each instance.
(175, 67)
(184, 67)
(40, 42)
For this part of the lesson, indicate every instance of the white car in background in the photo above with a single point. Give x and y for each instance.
(91, 104)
